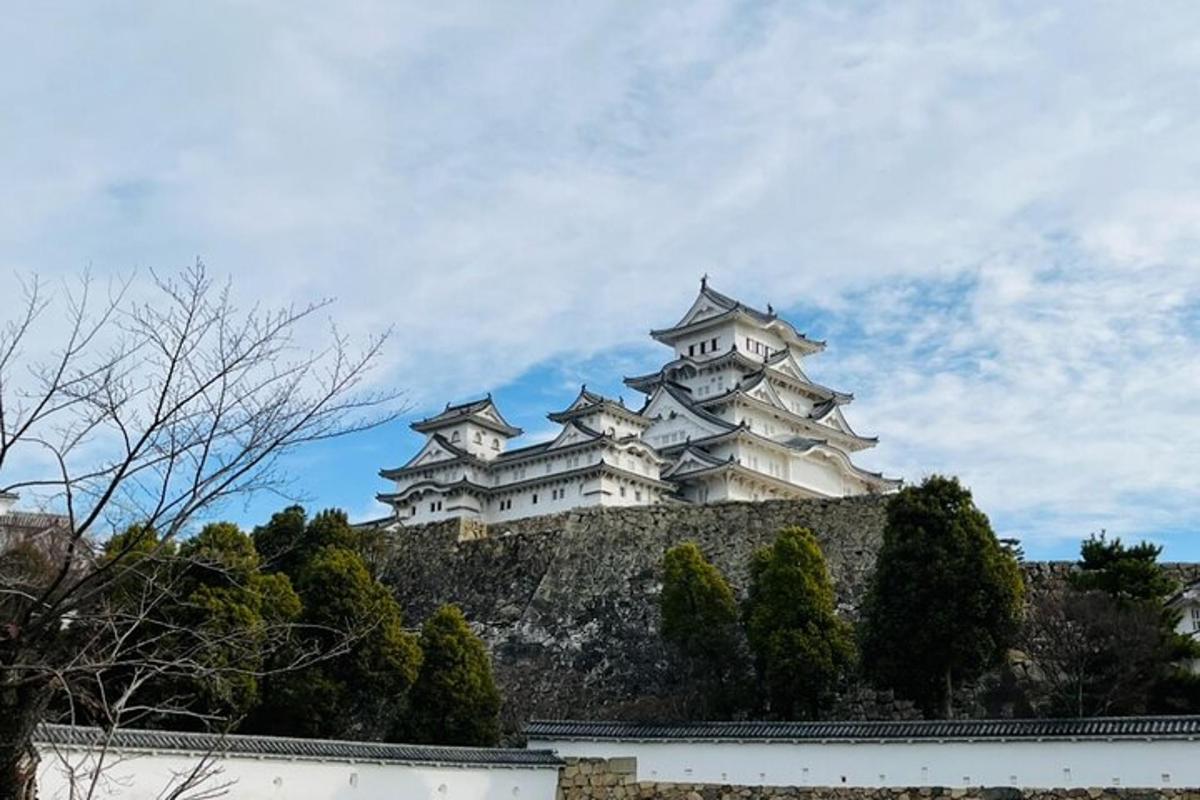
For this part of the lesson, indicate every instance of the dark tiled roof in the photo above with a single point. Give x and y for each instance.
(588, 402)
(459, 454)
(33, 522)
(1083, 728)
(731, 307)
(455, 413)
(647, 383)
(680, 394)
(821, 409)
(318, 749)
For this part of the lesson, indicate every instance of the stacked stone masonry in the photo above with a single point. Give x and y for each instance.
(568, 603)
(616, 779)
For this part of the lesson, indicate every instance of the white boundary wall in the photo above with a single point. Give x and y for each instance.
(1141, 763)
(146, 776)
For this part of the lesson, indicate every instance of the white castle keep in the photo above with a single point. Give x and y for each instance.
(732, 416)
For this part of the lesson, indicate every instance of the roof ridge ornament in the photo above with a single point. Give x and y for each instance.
(704, 281)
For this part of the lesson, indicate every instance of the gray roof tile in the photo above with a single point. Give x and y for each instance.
(317, 749)
(1181, 727)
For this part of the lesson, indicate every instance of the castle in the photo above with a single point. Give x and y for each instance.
(732, 416)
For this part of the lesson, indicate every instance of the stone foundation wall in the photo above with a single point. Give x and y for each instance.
(568, 603)
(616, 779)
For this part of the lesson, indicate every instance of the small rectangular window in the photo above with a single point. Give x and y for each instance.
(535, 498)
(713, 345)
(691, 349)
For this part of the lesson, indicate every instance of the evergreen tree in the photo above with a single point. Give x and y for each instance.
(945, 601)
(359, 687)
(207, 610)
(289, 540)
(455, 699)
(241, 610)
(1125, 573)
(700, 622)
(801, 649)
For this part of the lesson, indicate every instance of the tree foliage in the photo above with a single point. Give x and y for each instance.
(802, 649)
(359, 687)
(208, 618)
(700, 623)
(289, 539)
(946, 598)
(1129, 574)
(455, 699)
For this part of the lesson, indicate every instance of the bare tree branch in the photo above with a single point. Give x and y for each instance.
(147, 415)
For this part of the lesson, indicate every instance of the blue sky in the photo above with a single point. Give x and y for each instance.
(990, 210)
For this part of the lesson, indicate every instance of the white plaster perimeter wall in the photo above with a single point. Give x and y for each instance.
(1025, 764)
(148, 776)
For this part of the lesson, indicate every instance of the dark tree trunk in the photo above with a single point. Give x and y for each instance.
(21, 709)
(18, 776)
(948, 697)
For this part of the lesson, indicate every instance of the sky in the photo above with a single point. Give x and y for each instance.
(991, 211)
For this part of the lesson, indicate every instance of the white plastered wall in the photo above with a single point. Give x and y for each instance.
(1026, 764)
(145, 776)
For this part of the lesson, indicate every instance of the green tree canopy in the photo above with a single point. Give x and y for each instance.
(367, 662)
(1125, 573)
(290, 539)
(209, 617)
(802, 649)
(945, 601)
(455, 699)
(700, 622)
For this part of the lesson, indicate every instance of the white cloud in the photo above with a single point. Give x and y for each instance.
(515, 183)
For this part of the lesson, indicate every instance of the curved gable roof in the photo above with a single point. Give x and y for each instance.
(482, 412)
(711, 306)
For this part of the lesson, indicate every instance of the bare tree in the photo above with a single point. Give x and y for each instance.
(1093, 655)
(145, 415)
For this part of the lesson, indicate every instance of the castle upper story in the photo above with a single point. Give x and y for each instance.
(731, 416)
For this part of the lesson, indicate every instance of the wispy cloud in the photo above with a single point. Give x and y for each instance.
(991, 209)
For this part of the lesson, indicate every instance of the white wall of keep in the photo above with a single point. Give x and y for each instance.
(795, 401)
(623, 492)
(1046, 764)
(145, 776)
(706, 344)
(605, 422)
(668, 431)
(818, 474)
(757, 342)
(475, 439)
(712, 382)
(551, 498)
